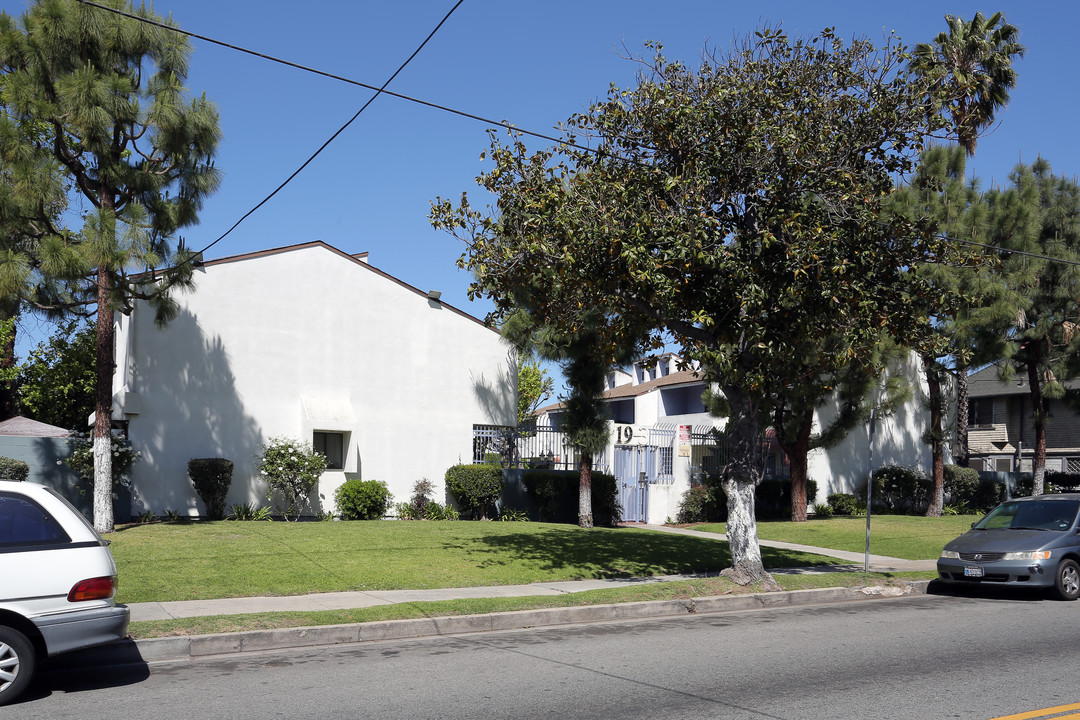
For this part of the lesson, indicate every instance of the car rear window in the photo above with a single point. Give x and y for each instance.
(25, 523)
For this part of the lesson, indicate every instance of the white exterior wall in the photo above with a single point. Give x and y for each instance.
(844, 467)
(289, 342)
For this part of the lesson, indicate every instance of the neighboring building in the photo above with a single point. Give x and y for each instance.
(308, 342)
(44, 448)
(1001, 434)
(662, 439)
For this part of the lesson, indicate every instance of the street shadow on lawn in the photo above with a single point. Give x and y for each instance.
(607, 553)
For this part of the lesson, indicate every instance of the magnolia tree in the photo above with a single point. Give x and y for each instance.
(734, 207)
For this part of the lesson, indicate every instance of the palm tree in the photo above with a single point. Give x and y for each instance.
(971, 68)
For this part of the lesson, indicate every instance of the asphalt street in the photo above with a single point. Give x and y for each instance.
(920, 656)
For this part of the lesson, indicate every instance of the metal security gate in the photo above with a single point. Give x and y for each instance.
(633, 483)
(638, 467)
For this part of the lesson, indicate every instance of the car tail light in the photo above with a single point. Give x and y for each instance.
(99, 588)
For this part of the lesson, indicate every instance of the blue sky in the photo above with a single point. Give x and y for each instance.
(532, 63)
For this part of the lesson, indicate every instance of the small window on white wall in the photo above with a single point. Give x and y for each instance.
(332, 445)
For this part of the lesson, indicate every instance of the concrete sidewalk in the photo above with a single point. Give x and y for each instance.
(369, 598)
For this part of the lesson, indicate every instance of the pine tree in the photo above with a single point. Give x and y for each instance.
(939, 194)
(1039, 214)
(134, 148)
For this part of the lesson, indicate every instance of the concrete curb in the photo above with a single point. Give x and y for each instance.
(199, 646)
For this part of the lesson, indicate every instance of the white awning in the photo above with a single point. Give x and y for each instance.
(326, 412)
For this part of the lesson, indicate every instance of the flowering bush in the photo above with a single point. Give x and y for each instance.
(291, 469)
(82, 459)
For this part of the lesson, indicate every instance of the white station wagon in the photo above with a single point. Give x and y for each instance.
(57, 583)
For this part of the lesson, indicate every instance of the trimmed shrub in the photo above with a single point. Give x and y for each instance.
(772, 498)
(211, 478)
(555, 492)
(961, 484)
(475, 488)
(12, 469)
(695, 506)
(901, 489)
(1057, 481)
(823, 510)
(846, 504)
(362, 499)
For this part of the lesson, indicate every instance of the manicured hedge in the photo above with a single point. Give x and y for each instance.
(211, 478)
(475, 488)
(555, 493)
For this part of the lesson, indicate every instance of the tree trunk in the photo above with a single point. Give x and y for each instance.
(102, 434)
(739, 480)
(1038, 411)
(962, 415)
(585, 518)
(797, 453)
(936, 435)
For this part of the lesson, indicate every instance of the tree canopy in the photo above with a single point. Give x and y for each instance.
(736, 206)
(102, 96)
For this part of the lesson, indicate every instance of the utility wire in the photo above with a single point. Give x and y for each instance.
(340, 130)
(383, 91)
(998, 249)
(461, 113)
(378, 91)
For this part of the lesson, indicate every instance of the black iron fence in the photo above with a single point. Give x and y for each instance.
(529, 447)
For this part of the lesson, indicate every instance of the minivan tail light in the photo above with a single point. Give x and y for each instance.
(99, 588)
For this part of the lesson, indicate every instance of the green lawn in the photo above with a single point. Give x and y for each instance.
(899, 536)
(186, 561)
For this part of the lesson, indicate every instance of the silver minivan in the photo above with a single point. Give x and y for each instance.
(57, 583)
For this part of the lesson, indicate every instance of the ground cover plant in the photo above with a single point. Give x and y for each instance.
(186, 561)
(900, 536)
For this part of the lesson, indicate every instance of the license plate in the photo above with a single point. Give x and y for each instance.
(975, 572)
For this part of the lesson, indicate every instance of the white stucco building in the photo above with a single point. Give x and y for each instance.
(308, 342)
(660, 437)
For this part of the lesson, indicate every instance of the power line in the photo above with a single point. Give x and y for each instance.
(998, 249)
(383, 91)
(461, 113)
(340, 130)
(378, 91)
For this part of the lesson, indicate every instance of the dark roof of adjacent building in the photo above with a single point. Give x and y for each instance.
(988, 383)
(682, 377)
(25, 427)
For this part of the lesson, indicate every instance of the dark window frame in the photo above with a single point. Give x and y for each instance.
(334, 460)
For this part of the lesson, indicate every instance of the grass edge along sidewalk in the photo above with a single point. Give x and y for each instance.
(680, 591)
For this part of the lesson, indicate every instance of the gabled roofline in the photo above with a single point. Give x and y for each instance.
(359, 259)
(682, 378)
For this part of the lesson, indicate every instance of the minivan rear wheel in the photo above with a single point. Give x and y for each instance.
(17, 663)
(1067, 581)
